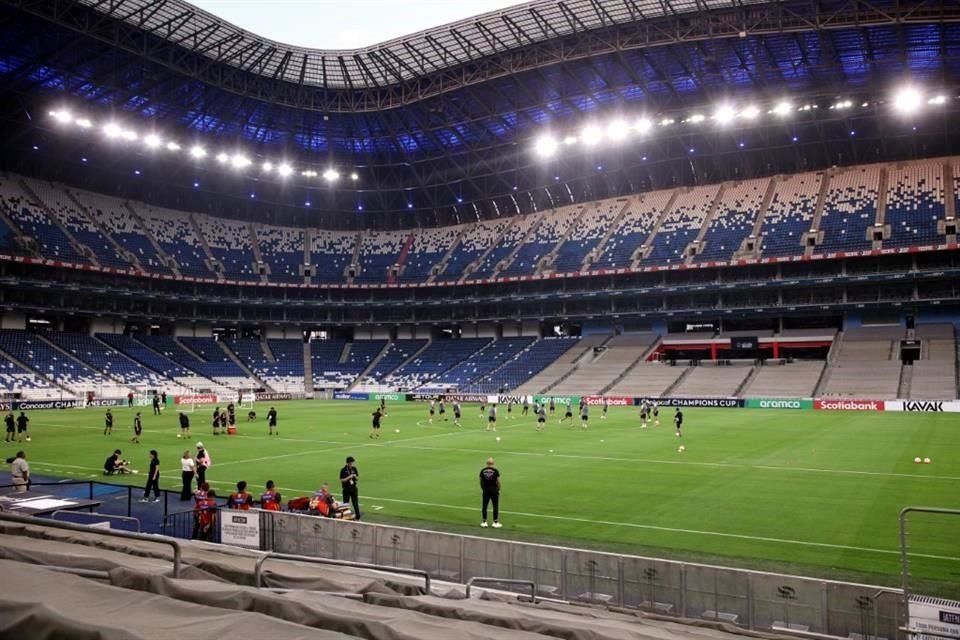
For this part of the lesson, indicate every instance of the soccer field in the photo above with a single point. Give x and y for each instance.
(808, 492)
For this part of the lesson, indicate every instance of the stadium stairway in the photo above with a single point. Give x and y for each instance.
(745, 251)
(370, 367)
(84, 584)
(81, 249)
(697, 245)
(471, 268)
(644, 249)
(815, 232)
(669, 391)
(212, 263)
(50, 380)
(237, 361)
(589, 344)
(307, 368)
(442, 264)
(255, 245)
(168, 260)
(546, 263)
(601, 246)
(507, 261)
(831, 358)
(633, 365)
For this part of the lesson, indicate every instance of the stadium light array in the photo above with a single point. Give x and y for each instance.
(906, 100)
(116, 132)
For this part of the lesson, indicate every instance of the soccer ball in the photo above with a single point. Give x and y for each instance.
(28, 438)
(178, 435)
(678, 434)
(134, 471)
(681, 449)
(926, 461)
(398, 430)
(917, 460)
(498, 438)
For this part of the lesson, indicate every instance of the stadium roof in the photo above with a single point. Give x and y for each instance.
(439, 124)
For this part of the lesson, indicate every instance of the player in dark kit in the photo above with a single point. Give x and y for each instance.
(11, 425)
(272, 421)
(443, 410)
(108, 423)
(375, 424)
(22, 423)
(606, 405)
(584, 414)
(568, 414)
(526, 406)
(184, 425)
(456, 413)
(215, 421)
(433, 403)
(137, 428)
(490, 486)
(349, 475)
(156, 403)
(232, 415)
(383, 406)
(492, 418)
(541, 417)
(553, 406)
(678, 421)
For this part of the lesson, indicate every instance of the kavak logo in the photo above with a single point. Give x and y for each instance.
(921, 406)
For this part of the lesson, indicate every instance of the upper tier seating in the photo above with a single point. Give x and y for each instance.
(525, 365)
(33, 221)
(849, 209)
(85, 232)
(440, 356)
(231, 244)
(634, 229)
(379, 252)
(681, 225)
(514, 234)
(733, 220)
(331, 252)
(122, 227)
(428, 248)
(174, 233)
(915, 202)
(790, 214)
(476, 240)
(585, 234)
(282, 250)
(554, 227)
(481, 363)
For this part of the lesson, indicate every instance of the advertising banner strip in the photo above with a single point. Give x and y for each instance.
(805, 404)
(711, 403)
(613, 401)
(557, 399)
(350, 395)
(200, 398)
(923, 406)
(838, 404)
(269, 396)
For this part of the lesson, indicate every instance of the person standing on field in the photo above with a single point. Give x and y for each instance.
(187, 467)
(19, 472)
(153, 478)
(490, 486)
(349, 475)
(272, 421)
(108, 423)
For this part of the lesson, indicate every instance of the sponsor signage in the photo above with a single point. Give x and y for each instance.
(350, 395)
(240, 528)
(31, 405)
(507, 399)
(934, 618)
(394, 397)
(716, 403)
(105, 402)
(557, 399)
(848, 405)
(265, 396)
(614, 401)
(200, 398)
(924, 406)
(779, 403)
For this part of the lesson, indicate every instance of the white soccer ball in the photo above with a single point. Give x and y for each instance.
(678, 434)
(28, 438)
(398, 430)
(135, 472)
(926, 461)
(498, 438)
(682, 449)
(179, 436)
(917, 460)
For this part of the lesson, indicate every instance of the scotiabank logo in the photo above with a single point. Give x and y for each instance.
(198, 399)
(848, 405)
(613, 401)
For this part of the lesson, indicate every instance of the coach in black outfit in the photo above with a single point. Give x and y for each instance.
(490, 485)
(348, 478)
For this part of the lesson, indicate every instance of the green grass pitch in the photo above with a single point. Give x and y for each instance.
(808, 492)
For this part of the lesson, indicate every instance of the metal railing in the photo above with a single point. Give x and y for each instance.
(258, 567)
(495, 581)
(78, 528)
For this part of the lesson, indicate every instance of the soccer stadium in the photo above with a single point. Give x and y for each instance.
(580, 319)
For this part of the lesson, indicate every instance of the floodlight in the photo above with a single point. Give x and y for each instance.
(696, 118)
(591, 135)
(331, 175)
(62, 116)
(309, 173)
(545, 146)
(570, 140)
(782, 108)
(152, 141)
(643, 125)
(724, 114)
(222, 158)
(112, 130)
(750, 112)
(240, 161)
(354, 176)
(666, 122)
(173, 146)
(907, 100)
(618, 130)
(128, 135)
(937, 100)
(83, 123)
(267, 167)
(284, 170)
(198, 152)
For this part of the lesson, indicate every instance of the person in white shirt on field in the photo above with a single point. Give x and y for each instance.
(187, 468)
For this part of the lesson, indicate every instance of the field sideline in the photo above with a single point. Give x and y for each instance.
(809, 492)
